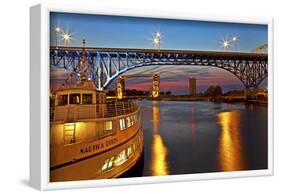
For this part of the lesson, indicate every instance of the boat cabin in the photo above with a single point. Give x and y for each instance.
(77, 102)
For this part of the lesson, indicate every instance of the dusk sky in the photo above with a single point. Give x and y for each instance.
(134, 32)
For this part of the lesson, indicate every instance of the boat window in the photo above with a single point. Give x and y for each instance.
(74, 99)
(87, 98)
(129, 151)
(134, 119)
(121, 158)
(128, 121)
(122, 124)
(108, 125)
(108, 164)
(62, 100)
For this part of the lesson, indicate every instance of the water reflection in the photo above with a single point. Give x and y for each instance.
(230, 148)
(155, 116)
(193, 123)
(159, 151)
(211, 137)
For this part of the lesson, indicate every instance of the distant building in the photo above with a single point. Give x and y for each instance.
(192, 86)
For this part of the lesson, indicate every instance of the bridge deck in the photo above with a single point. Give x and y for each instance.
(195, 52)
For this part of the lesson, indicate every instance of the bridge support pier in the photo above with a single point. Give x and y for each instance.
(250, 93)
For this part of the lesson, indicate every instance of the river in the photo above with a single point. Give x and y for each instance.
(202, 137)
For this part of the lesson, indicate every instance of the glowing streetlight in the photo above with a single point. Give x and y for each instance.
(234, 41)
(57, 29)
(225, 44)
(67, 37)
(156, 40)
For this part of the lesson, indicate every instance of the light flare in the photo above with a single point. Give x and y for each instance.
(58, 29)
(225, 44)
(156, 40)
(67, 38)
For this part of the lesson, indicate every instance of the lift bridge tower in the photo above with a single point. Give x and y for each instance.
(120, 88)
(155, 85)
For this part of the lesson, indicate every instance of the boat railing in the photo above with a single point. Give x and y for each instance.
(71, 113)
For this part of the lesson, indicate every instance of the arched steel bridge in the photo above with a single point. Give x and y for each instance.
(105, 64)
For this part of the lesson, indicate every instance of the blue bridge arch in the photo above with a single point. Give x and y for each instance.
(105, 64)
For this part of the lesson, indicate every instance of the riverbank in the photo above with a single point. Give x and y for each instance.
(199, 98)
(226, 99)
(179, 98)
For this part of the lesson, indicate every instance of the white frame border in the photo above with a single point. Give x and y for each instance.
(39, 102)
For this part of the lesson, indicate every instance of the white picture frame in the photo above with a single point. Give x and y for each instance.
(39, 102)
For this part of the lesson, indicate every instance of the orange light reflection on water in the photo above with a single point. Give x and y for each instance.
(193, 123)
(159, 151)
(230, 149)
(159, 157)
(155, 116)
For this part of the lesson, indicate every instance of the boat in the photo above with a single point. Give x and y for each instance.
(90, 136)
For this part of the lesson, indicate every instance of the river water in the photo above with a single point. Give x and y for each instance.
(202, 137)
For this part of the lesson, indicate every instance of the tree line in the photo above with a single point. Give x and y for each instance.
(211, 91)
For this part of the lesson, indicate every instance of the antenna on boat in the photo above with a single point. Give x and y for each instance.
(84, 43)
(83, 61)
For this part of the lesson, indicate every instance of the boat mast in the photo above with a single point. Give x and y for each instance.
(83, 62)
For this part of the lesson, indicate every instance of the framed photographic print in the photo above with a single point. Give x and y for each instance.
(129, 97)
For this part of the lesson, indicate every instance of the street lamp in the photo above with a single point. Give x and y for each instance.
(67, 37)
(234, 41)
(156, 40)
(57, 31)
(225, 44)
